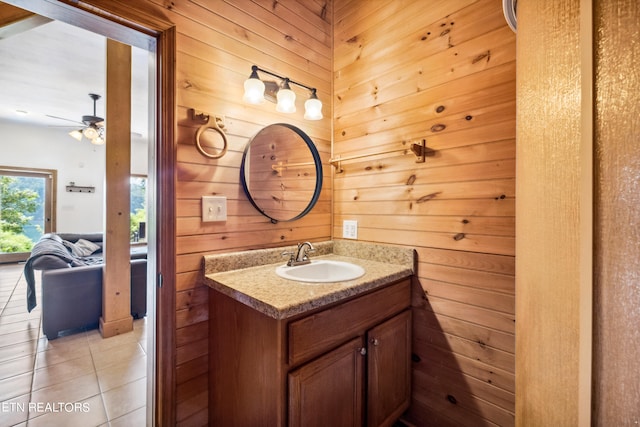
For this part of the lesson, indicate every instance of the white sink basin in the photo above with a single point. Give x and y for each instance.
(321, 271)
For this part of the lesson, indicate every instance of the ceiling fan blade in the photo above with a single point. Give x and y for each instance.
(62, 118)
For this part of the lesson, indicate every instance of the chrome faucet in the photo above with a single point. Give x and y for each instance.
(300, 257)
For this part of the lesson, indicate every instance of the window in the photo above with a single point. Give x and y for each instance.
(26, 210)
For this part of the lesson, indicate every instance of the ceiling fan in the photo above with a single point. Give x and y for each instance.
(93, 128)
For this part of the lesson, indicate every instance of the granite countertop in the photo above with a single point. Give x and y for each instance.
(250, 278)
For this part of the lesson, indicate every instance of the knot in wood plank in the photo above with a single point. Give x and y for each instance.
(479, 58)
(428, 197)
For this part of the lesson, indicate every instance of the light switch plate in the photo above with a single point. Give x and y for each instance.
(214, 208)
(350, 229)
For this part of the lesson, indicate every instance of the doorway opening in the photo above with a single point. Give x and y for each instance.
(158, 37)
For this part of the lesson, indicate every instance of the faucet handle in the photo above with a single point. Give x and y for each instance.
(291, 255)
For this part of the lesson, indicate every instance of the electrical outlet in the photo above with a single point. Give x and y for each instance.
(350, 229)
(214, 208)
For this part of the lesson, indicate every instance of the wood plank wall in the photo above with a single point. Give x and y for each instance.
(443, 71)
(403, 71)
(217, 43)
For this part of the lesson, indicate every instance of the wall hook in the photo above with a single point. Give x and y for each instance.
(203, 117)
(217, 125)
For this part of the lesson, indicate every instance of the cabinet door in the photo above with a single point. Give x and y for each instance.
(328, 391)
(389, 370)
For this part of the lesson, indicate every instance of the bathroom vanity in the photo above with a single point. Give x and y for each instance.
(289, 353)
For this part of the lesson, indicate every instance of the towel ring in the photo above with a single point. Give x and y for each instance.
(217, 128)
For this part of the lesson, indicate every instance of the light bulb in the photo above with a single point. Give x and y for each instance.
(76, 134)
(313, 108)
(90, 132)
(286, 99)
(253, 89)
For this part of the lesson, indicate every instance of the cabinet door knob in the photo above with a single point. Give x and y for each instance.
(363, 351)
(374, 341)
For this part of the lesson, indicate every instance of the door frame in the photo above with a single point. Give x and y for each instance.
(139, 28)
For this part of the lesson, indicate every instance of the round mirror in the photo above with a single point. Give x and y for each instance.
(281, 172)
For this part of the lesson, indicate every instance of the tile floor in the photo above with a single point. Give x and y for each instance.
(76, 380)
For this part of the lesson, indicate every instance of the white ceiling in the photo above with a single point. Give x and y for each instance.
(51, 69)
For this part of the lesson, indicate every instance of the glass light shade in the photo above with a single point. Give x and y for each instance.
(90, 132)
(286, 101)
(253, 91)
(98, 140)
(76, 134)
(313, 109)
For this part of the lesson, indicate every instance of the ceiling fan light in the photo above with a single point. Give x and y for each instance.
(90, 132)
(76, 134)
(98, 140)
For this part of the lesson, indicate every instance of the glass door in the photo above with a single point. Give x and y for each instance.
(26, 210)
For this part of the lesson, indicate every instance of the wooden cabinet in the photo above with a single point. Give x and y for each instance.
(345, 365)
(389, 370)
(328, 390)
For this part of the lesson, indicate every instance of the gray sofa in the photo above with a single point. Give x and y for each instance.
(72, 281)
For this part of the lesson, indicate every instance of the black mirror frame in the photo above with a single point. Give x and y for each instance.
(316, 160)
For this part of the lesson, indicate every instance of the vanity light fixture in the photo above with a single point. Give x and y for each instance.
(313, 107)
(285, 98)
(254, 88)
